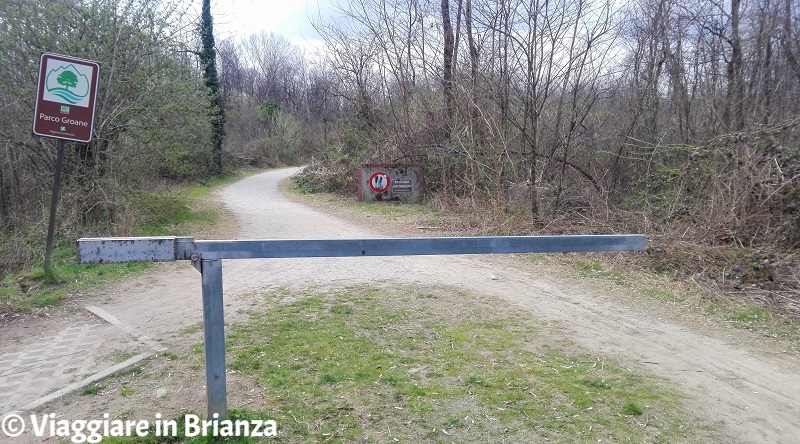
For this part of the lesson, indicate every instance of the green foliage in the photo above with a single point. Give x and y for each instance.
(657, 188)
(285, 138)
(156, 214)
(335, 168)
(162, 210)
(738, 190)
(264, 135)
(152, 117)
(269, 111)
(208, 60)
(32, 290)
(333, 171)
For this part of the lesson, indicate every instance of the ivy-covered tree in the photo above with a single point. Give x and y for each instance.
(208, 59)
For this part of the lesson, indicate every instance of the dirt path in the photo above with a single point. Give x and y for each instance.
(752, 393)
(749, 393)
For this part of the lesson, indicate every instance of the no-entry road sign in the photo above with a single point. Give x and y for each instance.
(65, 97)
(379, 182)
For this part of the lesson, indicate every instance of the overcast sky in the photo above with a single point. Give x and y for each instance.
(289, 18)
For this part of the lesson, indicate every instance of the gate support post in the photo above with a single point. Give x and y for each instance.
(214, 325)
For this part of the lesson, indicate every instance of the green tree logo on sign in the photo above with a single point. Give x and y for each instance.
(68, 84)
(68, 79)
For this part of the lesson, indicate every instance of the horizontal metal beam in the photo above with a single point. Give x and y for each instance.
(133, 249)
(247, 249)
(164, 249)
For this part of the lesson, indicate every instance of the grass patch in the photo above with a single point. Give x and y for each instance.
(361, 363)
(204, 190)
(748, 316)
(164, 212)
(175, 213)
(126, 391)
(192, 329)
(118, 356)
(91, 390)
(35, 289)
(631, 409)
(596, 269)
(392, 211)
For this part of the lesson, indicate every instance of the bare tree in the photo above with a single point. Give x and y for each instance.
(447, 68)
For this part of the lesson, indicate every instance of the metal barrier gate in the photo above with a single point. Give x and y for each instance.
(206, 257)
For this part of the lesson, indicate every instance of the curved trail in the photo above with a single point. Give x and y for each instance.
(747, 394)
(752, 395)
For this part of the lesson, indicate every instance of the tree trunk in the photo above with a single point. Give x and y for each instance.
(734, 110)
(447, 77)
(788, 51)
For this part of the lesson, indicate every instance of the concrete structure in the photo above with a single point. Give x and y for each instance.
(390, 182)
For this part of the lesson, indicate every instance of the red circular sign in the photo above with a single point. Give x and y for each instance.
(379, 182)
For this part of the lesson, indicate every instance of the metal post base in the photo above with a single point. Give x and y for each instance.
(214, 325)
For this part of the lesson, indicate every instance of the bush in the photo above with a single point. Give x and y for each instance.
(333, 172)
(740, 189)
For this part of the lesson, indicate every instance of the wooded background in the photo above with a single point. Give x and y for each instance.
(659, 116)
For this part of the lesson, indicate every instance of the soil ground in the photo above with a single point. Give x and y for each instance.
(741, 387)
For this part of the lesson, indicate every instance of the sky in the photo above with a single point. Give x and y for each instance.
(289, 18)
